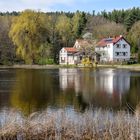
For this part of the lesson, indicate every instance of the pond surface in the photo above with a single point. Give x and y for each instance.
(72, 88)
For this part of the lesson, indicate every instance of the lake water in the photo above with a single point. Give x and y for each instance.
(72, 88)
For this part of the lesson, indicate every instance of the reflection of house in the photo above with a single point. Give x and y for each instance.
(103, 86)
(113, 49)
(111, 81)
(67, 56)
(69, 78)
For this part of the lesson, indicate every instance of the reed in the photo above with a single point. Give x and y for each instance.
(69, 125)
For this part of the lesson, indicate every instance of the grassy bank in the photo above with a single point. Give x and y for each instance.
(63, 125)
(29, 66)
(131, 67)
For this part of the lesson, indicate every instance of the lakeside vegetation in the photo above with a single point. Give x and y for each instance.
(34, 37)
(62, 125)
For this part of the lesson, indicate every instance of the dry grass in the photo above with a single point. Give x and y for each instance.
(69, 125)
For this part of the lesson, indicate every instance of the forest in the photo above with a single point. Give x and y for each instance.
(35, 37)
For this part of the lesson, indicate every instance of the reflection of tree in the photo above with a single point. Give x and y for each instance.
(133, 97)
(37, 89)
(30, 91)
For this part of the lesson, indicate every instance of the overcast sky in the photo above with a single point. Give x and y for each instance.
(67, 5)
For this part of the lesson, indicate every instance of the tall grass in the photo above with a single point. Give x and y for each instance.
(69, 125)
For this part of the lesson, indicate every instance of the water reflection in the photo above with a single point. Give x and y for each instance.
(97, 87)
(78, 89)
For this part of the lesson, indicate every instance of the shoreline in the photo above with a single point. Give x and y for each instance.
(130, 67)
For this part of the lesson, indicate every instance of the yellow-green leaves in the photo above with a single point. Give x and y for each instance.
(64, 27)
(28, 32)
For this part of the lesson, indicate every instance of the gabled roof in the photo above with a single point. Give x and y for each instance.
(106, 41)
(71, 49)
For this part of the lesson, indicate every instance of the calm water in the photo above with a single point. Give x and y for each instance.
(78, 89)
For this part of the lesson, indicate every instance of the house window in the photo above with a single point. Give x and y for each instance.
(124, 54)
(63, 59)
(80, 57)
(117, 45)
(124, 45)
(117, 53)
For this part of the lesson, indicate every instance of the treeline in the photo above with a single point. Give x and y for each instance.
(36, 37)
(126, 17)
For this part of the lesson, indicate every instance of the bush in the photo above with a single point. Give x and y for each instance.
(45, 61)
(132, 61)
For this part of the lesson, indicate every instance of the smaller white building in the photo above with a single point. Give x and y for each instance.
(113, 49)
(67, 56)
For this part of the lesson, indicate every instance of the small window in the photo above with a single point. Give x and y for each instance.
(62, 59)
(124, 53)
(117, 45)
(124, 45)
(117, 53)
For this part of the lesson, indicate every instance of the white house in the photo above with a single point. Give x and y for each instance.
(67, 56)
(73, 55)
(113, 49)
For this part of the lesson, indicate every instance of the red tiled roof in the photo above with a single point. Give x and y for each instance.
(71, 49)
(106, 41)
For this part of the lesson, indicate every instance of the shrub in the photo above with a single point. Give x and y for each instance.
(45, 61)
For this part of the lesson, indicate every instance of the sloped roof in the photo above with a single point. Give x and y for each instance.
(71, 49)
(106, 41)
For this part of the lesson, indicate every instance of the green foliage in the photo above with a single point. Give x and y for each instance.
(134, 37)
(43, 61)
(38, 35)
(79, 23)
(139, 57)
(64, 28)
(28, 32)
(132, 18)
(87, 62)
(126, 17)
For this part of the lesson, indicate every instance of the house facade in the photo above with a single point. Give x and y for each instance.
(74, 55)
(113, 49)
(67, 56)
